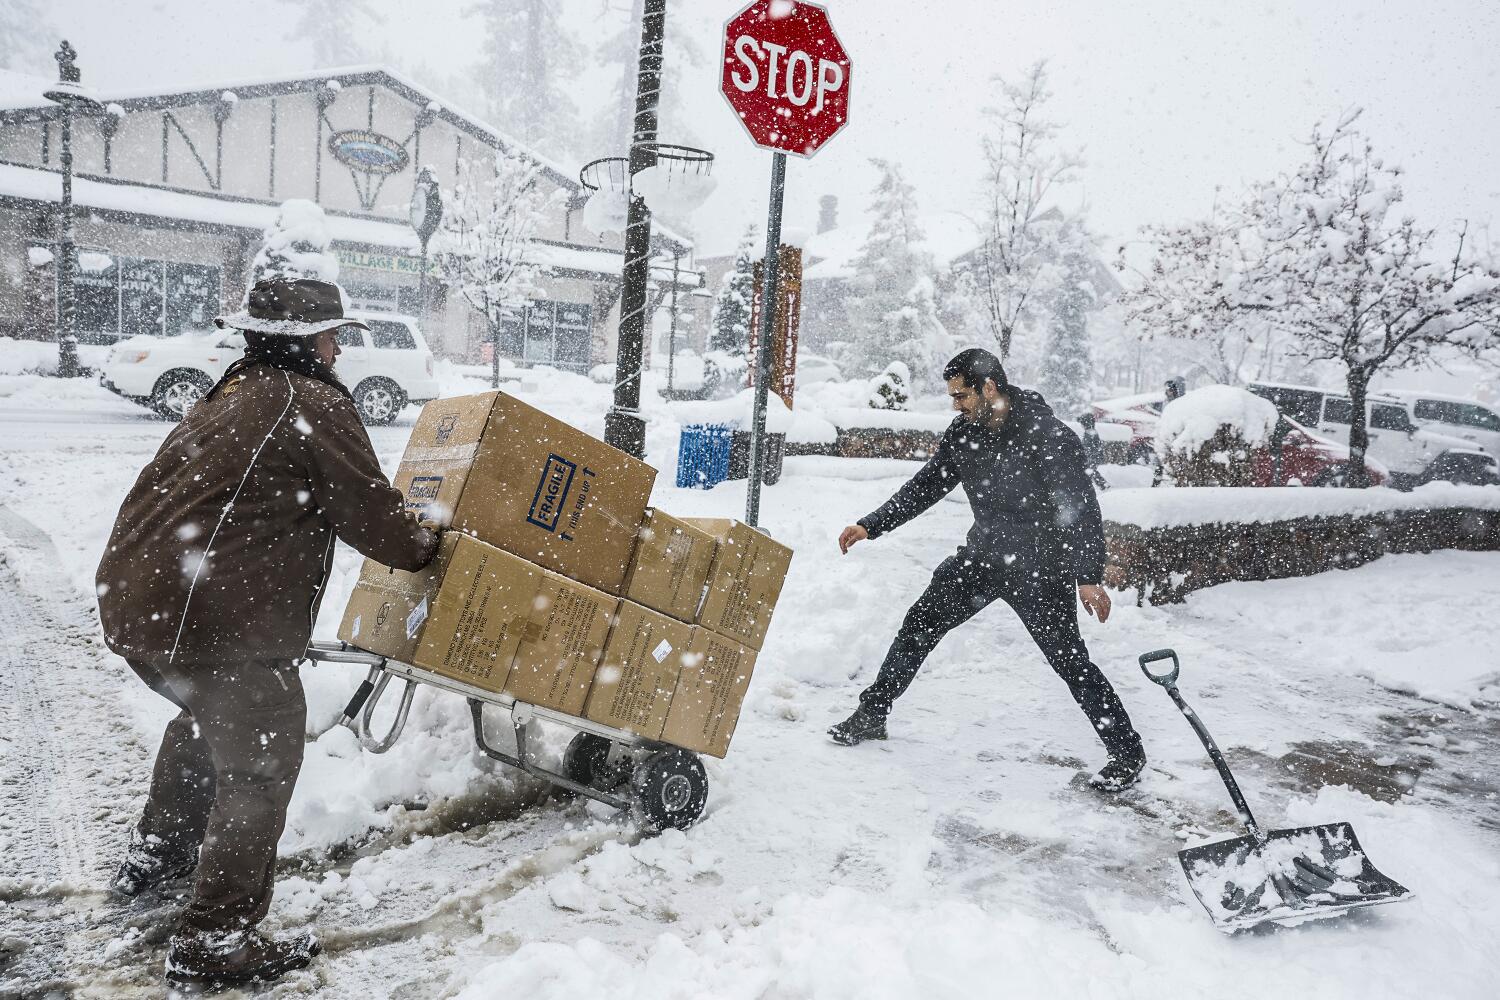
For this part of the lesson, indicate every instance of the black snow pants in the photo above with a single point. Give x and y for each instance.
(962, 587)
(223, 778)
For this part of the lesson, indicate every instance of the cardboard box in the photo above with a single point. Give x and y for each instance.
(670, 566)
(711, 686)
(561, 645)
(634, 683)
(745, 581)
(462, 616)
(528, 483)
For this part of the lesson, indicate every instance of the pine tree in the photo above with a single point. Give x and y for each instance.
(1067, 368)
(296, 246)
(892, 312)
(526, 52)
(338, 30)
(731, 318)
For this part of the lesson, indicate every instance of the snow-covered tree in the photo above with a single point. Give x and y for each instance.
(338, 30)
(1067, 368)
(527, 71)
(485, 247)
(732, 306)
(1186, 295)
(1349, 282)
(1022, 165)
(296, 245)
(891, 308)
(620, 52)
(27, 37)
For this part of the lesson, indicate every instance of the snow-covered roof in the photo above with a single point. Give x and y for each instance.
(27, 96)
(32, 184)
(1447, 397)
(20, 90)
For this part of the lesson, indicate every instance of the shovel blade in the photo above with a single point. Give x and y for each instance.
(1296, 875)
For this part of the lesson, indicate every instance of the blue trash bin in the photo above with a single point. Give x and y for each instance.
(703, 455)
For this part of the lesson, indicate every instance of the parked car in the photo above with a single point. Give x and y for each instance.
(1413, 454)
(385, 368)
(1140, 413)
(1301, 457)
(1455, 416)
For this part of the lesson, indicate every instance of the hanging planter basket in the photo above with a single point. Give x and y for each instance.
(679, 180)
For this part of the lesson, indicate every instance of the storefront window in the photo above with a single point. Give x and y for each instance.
(118, 296)
(549, 333)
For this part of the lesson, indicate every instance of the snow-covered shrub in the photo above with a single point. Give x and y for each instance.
(1208, 436)
(891, 389)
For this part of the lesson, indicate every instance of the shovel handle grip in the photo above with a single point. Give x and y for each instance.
(1165, 679)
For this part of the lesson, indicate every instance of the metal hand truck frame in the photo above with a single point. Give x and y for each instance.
(662, 785)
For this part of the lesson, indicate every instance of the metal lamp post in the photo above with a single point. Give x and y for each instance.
(425, 212)
(74, 100)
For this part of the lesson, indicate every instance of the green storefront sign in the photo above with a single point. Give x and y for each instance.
(371, 261)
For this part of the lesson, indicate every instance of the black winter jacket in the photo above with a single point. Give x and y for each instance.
(1034, 506)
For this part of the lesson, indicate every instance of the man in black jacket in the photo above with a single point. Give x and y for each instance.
(1037, 534)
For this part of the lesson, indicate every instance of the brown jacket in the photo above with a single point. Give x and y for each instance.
(221, 549)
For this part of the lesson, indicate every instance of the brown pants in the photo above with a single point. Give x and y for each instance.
(223, 778)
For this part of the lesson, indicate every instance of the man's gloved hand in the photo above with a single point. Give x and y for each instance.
(431, 538)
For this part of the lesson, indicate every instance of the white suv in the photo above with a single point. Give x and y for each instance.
(384, 368)
(1455, 416)
(1413, 454)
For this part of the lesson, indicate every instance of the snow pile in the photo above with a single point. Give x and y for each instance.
(738, 411)
(1159, 508)
(38, 256)
(675, 193)
(1192, 420)
(297, 245)
(606, 211)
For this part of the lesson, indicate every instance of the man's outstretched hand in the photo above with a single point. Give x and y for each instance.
(854, 533)
(1095, 600)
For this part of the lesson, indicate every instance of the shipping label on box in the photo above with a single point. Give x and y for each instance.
(562, 644)
(670, 566)
(463, 616)
(636, 678)
(711, 687)
(745, 581)
(528, 483)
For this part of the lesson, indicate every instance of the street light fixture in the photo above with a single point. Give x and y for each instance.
(74, 100)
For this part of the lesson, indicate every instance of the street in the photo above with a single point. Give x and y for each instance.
(968, 840)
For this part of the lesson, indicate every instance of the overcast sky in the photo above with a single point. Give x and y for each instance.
(1167, 99)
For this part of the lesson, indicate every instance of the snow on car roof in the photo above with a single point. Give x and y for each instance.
(1446, 397)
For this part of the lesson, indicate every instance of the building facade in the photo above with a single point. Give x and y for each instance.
(173, 192)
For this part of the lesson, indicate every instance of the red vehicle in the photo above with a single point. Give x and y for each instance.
(1140, 413)
(1308, 459)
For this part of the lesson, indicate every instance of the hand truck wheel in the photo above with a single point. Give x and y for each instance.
(670, 789)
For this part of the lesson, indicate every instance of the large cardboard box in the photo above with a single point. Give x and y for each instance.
(634, 683)
(670, 566)
(561, 645)
(462, 616)
(711, 686)
(745, 581)
(528, 483)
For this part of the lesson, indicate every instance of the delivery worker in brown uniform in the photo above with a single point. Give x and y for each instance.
(209, 588)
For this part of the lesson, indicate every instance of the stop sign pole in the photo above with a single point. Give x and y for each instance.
(786, 75)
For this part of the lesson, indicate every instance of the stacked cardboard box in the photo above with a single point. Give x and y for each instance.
(560, 588)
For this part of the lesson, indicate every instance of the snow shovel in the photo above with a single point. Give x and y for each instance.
(1280, 876)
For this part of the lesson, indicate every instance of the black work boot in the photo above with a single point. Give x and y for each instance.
(1122, 770)
(214, 960)
(148, 865)
(862, 725)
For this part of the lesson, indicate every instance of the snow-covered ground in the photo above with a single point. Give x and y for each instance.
(962, 858)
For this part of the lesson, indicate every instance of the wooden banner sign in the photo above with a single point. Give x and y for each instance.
(785, 324)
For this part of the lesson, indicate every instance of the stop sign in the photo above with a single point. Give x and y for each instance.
(786, 75)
